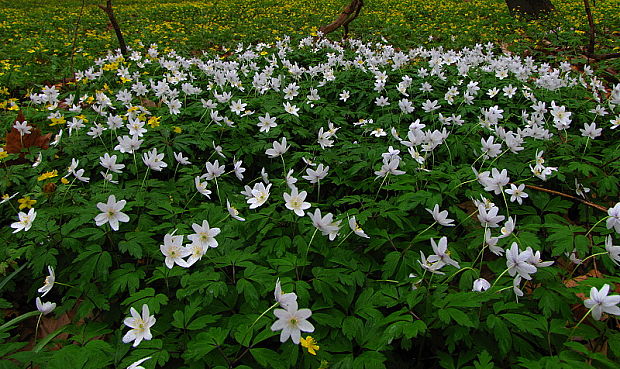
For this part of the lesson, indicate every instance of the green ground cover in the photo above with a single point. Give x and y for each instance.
(40, 35)
(448, 201)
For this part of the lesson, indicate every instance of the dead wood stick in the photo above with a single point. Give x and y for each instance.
(596, 206)
(117, 29)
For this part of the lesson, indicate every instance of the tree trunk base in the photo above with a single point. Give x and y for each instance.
(531, 8)
(349, 13)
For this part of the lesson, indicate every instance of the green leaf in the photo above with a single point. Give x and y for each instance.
(460, 317)
(267, 358)
(484, 361)
(369, 360)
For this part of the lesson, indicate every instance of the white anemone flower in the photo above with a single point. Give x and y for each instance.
(140, 326)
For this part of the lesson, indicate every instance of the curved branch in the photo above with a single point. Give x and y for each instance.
(349, 13)
(542, 189)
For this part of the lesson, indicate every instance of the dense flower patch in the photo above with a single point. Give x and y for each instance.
(44, 39)
(422, 206)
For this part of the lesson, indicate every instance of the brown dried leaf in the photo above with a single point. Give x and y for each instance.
(15, 142)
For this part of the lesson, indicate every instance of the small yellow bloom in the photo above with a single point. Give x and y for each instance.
(125, 80)
(3, 154)
(48, 175)
(82, 117)
(64, 180)
(176, 129)
(310, 344)
(25, 202)
(154, 122)
(56, 121)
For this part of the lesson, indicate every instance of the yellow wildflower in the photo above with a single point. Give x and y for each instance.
(82, 117)
(310, 344)
(154, 122)
(47, 175)
(176, 129)
(125, 80)
(3, 154)
(64, 180)
(26, 202)
(56, 121)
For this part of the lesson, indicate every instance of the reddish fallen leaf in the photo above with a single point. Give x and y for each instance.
(15, 143)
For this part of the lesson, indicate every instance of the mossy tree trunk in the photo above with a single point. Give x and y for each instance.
(532, 8)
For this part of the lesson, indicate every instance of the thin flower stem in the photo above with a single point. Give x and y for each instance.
(344, 239)
(63, 284)
(498, 278)
(135, 163)
(570, 338)
(217, 188)
(478, 158)
(594, 226)
(503, 289)
(425, 229)
(188, 201)
(466, 182)
(263, 314)
(481, 253)
(455, 273)
(586, 146)
(387, 280)
(283, 168)
(144, 179)
(497, 157)
(309, 243)
(505, 202)
(382, 182)
(36, 330)
(584, 260)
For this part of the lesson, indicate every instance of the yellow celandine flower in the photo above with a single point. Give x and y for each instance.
(56, 121)
(176, 129)
(26, 202)
(82, 117)
(125, 80)
(3, 155)
(90, 100)
(153, 122)
(47, 175)
(64, 180)
(310, 344)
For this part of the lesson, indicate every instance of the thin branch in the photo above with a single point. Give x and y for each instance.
(117, 29)
(596, 206)
(349, 13)
(75, 34)
(591, 29)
